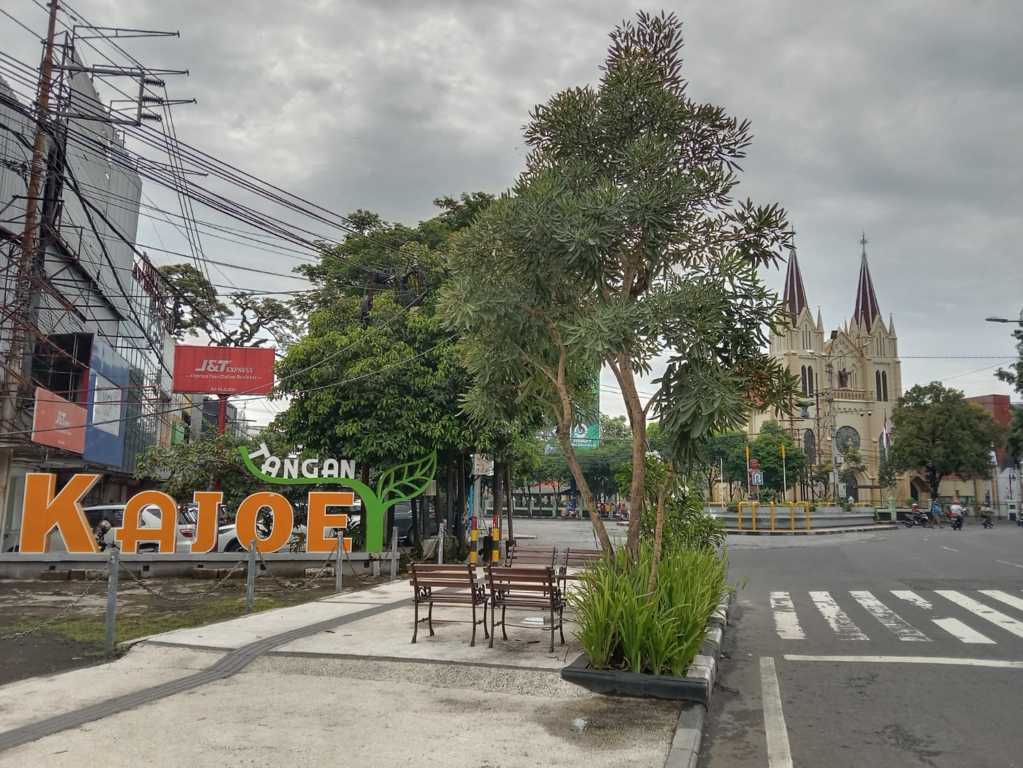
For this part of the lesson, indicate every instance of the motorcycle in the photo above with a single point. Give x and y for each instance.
(917, 518)
(957, 522)
(988, 523)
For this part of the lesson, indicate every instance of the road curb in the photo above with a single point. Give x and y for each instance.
(817, 531)
(685, 746)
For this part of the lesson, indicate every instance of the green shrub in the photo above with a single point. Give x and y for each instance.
(623, 625)
(686, 524)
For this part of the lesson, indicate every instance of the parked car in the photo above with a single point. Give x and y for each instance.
(150, 517)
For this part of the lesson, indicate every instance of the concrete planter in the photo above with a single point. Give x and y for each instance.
(696, 686)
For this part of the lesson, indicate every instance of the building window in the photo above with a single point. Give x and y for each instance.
(884, 386)
(877, 384)
(810, 446)
(809, 380)
(802, 379)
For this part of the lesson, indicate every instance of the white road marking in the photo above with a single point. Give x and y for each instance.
(995, 617)
(837, 619)
(889, 619)
(786, 622)
(1006, 562)
(912, 598)
(1003, 597)
(939, 660)
(779, 754)
(950, 549)
(962, 632)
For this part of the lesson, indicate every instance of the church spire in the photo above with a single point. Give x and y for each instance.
(866, 311)
(794, 297)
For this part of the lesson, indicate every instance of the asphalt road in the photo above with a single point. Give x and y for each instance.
(928, 626)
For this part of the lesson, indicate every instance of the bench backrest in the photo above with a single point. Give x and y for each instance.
(519, 580)
(532, 555)
(582, 557)
(433, 575)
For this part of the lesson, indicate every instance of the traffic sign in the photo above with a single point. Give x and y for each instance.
(756, 477)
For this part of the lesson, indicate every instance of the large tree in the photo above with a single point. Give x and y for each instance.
(938, 432)
(1014, 376)
(619, 245)
(767, 448)
(192, 305)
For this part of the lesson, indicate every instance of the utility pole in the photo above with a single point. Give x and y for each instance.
(14, 365)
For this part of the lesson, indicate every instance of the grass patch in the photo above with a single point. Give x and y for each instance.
(132, 624)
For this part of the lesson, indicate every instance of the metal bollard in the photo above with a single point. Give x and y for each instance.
(394, 553)
(250, 580)
(337, 560)
(113, 566)
(474, 543)
(440, 543)
(773, 515)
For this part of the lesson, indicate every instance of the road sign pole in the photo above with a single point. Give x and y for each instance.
(784, 478)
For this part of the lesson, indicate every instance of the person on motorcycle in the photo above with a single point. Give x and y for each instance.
(956, 513)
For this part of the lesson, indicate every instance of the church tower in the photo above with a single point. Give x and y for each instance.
(801, 343)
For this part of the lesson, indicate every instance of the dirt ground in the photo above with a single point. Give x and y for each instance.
(53, 626)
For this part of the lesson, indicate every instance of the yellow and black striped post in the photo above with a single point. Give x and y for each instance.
(474, 538)
(495, 535)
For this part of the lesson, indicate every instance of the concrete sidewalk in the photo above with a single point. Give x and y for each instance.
(357, 692)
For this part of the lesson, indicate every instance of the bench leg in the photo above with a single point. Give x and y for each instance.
(552, 629)
(493, 612)
(561, 623)
(429, 619)
(504, 632)
(472, 643)
(415, 625)
(486, 634)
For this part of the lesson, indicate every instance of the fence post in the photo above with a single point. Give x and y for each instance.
(440, 543)
(774, 512)
(250, 579)
(474, 539)
(394, 553)
(337, 560)
(755, 513)
(113, 567)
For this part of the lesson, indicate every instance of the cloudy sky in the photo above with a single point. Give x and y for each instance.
(900, 119)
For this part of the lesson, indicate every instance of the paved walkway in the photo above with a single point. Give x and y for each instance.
(333, 680)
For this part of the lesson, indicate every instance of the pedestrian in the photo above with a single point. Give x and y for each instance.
(936, 518)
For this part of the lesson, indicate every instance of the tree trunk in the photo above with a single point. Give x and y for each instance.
(565, 438)
(637, 420)
(509, 490)
(658, 537)
(498, 491)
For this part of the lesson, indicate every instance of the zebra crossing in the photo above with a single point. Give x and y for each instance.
(984, 615)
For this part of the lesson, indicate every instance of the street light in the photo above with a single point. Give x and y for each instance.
(1005, 319)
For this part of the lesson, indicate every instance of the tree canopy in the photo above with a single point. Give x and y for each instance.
(937, 427)
(766, 447)
(621, 243)
(1014, 376)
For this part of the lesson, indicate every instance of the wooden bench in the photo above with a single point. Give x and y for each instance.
(525, 587)
(577, 557)
(453, 584)
(526, 555)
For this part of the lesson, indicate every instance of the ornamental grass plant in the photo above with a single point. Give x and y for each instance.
(622, 624)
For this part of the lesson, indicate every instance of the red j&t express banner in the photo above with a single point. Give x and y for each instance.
(223, 370)
(57, 422)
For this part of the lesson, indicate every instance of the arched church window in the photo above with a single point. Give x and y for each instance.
(877, 384)
(810, 445)
(802, 379)
(884, 386)
(809, 380)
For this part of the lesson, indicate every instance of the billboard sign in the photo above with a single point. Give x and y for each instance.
(57, 422)
(108, 393)
(223, 370)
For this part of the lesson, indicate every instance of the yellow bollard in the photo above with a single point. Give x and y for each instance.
(474, 538)
(739, 512)
(792, 516)
(753, 513)
(806, 509)
(495, 552)
(773, 513)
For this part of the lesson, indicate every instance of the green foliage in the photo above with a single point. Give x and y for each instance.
(936, 425)
(185, 468)
(373, 325)
(852, 466)
(622, 625)
(614, 430)
(193, 305)
(686, 523)
(767, 448)
(1014, 376)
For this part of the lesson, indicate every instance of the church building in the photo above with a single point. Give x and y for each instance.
(849, 377)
